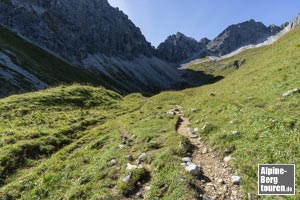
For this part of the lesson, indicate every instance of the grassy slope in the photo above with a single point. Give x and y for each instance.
(73, 133)
(268, 123)
(43, 65)
(56, 144)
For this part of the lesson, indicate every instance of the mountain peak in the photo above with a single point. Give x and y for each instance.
(204, 41)
(241, 34)
(179, 35)
(178, 47)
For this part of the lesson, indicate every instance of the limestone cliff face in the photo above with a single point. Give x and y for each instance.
(92, 35)
(75, 28)
(238, 35)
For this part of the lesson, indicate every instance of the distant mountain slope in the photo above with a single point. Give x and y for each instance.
(285, 28)
(238, 35)
(94, 36)
(25, 67)
(294, 23)
(179, 47)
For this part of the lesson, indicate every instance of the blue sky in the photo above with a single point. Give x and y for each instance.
(158, 19)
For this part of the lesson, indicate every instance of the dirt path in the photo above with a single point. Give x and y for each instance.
(216, 181)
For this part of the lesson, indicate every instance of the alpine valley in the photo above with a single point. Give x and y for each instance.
(90, 110)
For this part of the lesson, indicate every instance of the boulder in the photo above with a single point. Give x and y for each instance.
(290, 92)
(171, 112)
(236, 180)
(193, 169)
(126, 179)
(232, 122)
(192, 135)
(112, 162)
(227, 159)
(221, 181)
(204, 151)
(235, 132)
(141, 158)
(131, 167)
(129, 157)
(183, 164)
(186, 159)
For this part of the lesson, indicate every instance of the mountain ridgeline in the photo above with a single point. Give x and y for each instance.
(73, 29)
(235, 36)
(90, 36)
(49, 42)
(181, 49)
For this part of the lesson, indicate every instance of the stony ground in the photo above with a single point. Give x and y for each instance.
(215, 181)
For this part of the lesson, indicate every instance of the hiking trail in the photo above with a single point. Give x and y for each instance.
(215, 183)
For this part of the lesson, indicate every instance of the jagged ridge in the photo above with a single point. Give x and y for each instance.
(95, 36)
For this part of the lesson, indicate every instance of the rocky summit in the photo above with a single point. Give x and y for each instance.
(204, 41)
(181, 49)
(242, 34)
(177, 48)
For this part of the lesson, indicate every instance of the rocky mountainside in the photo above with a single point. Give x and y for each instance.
(73, 29)
(238, 35)
(183, 49)
(285, 28)
(204, 41)
(295, 22)
(177, 48)
(94, 36)
(25, 67)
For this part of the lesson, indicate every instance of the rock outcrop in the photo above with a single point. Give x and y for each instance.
(294, 23)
